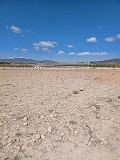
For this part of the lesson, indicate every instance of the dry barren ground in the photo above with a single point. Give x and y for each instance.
(59, 114)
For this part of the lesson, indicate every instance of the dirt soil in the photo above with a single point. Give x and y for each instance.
(59, 114)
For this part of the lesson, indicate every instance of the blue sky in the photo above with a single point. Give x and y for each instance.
(60, 30)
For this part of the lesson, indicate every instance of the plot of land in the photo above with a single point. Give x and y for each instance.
(59, 114)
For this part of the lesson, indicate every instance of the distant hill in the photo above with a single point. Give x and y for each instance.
(115, 60)
(49, 62)
(24, 60)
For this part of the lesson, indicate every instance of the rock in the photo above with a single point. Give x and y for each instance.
(52, 115)
(75, 92)
(60, 138)
(41, 116)
(49, 129)
(25, 124)
(48, 149)
(25, 118)
(18, 134)
(81, 89)
(42, 136)
(118, 97)
(1, 123)
(51, 111)
(72, 122)
(55, 115)
(4, 114)
(9, 117)
(75, 132)
(37, 136)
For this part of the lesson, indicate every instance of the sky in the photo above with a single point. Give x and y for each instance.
(60, 30)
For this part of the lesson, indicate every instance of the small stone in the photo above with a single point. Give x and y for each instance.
(51, 111)
(17, 148)
(25, 124)
(81, 89)
(24, 146)
(55, 115)
(48, 149)
(42, 137)
(75, 92)
(102, 143)
(52, 115)
(60, 138)
(97, 106)
(37, 136)
(25, 118)
(72, 122)
(75, 132)
(41, 116)
(4, 114)
(118, 97)
(9, 117)
(49, 129)
(18, 134)
(1, 123)
(67, 123)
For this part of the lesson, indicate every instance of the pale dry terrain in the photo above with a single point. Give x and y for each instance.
(59, 114)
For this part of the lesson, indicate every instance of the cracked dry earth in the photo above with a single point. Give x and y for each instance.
(59, 114)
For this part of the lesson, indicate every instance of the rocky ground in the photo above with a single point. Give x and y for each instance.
(59, 114)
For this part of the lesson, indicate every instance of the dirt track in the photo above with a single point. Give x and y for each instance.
(59, 114)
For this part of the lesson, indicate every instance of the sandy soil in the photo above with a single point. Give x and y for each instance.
(59, 114)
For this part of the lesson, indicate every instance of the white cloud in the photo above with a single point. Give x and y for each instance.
(61, 52)
(110, 39)
(15, 49)
(44, 45)
(85, 53)
(46, 50)
(118, 36)
(20, 57)
(70, 46)
(23, 50)
(92, 54)
(92, 40)
(72, 53)
(14, 29)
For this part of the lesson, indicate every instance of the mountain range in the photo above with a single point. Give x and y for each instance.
(49, 62)
(24, 60)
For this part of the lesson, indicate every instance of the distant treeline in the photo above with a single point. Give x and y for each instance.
(9, 64)
(92, 65)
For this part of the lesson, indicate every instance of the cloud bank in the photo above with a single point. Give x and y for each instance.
(44, 45)
(89, 53)
(70, 46)
(72, 53)
(92, 54)
(14, 29)
(22, 50)
(112, 39)
(92, 40)
(61, 52)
